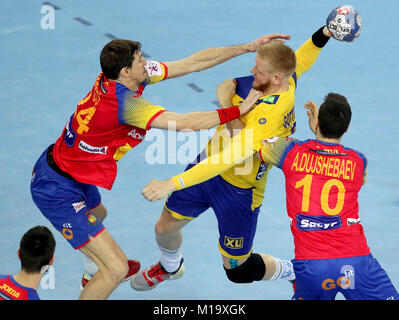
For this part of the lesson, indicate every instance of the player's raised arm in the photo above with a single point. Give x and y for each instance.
(211, 57)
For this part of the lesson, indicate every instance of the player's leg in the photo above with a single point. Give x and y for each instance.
(237, 221)
(170, 265)
(66, 204)
(257, 267)
(100, 212)
(90, 266)
(112, 263)
(180, 208)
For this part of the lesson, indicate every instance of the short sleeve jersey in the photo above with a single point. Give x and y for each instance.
(107, 123)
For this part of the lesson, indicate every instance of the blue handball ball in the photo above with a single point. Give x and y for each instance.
(344, 23)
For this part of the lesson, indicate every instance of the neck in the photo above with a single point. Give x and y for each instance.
(275, 89)
(328, 140)
(132, 85)
(30, 280)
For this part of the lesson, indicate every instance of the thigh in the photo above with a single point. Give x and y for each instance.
(188, 203)
(66, 204)
(104, 251)
(236, 220)
(315, 280)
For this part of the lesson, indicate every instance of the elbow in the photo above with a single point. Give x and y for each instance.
(186, 123)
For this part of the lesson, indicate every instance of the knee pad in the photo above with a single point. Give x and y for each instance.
(253, 269)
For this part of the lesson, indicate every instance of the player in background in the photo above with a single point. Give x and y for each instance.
(36, 252)
(112, 119)
(323, 179)
(237, 179)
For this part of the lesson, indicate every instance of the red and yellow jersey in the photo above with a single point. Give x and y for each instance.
(322, 182)
(273, 115)
(12, 290)
(107, 123)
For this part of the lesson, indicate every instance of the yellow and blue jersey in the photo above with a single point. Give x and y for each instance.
(273, 115)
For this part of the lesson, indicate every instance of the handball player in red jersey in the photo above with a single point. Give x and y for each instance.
(323, 179)
(36, 252)
(109, 121)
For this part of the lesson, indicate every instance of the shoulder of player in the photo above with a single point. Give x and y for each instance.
(357, 153)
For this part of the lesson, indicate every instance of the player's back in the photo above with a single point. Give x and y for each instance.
(12, 290)
(322, 185)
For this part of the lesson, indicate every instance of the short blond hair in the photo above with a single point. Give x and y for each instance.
(281, 57)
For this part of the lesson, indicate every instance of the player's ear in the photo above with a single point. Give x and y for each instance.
(19, 255)
(277, 79)
(124, 72)
(51, 261)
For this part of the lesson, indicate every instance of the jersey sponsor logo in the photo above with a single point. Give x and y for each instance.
(90, 149)
(317, 223)
(262, 170)
(70, 135)
(234, 243)
(352, 221)
(67, 233)
(136, 135)
(78, 205)
(5, 288)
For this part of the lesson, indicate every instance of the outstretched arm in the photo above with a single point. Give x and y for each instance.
(232, 154)
(208, 58)
(195, 121)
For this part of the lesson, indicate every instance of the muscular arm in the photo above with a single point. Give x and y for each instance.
(232, 154)
(208, 58)
(224, 93)
(195, 121)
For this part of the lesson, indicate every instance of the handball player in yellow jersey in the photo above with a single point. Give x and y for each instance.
(232, 188)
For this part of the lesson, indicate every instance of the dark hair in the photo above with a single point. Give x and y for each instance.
(334, 116)
(116, 55)
(36, 249)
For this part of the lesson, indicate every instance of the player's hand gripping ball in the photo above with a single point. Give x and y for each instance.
(344, 23)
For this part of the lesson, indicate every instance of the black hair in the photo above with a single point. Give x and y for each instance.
(334, 116)
(36, 249)
(116, 55)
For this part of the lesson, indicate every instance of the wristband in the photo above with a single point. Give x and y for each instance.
(228, 114)
(319, 39)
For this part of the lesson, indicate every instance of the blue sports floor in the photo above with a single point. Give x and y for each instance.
(45, 72)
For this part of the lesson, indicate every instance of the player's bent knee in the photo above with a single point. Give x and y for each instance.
(117, 271)
(253, 269)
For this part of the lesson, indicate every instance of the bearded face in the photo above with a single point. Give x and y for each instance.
(262, 75)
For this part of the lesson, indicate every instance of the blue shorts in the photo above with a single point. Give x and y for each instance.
(66, 203)
(357, 278)
(232, 206)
